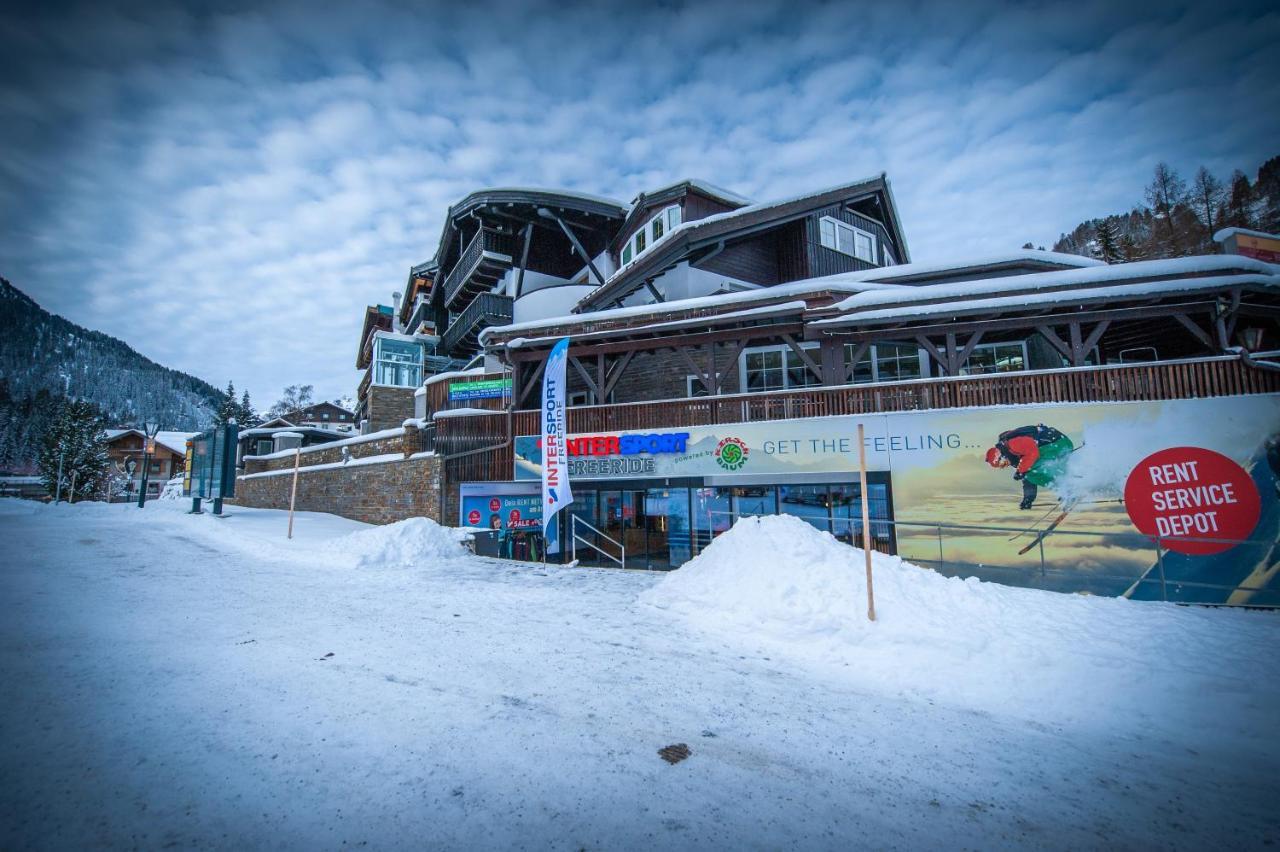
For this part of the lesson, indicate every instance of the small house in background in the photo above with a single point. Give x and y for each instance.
(126, 449)
(280, 434)
(1246, 243)
(322, 415)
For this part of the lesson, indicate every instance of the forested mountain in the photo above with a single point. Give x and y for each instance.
(1180, 218)
(44, 358)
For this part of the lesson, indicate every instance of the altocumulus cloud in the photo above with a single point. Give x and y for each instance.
(224, 186)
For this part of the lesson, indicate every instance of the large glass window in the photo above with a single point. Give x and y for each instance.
(846, 239)
(650, 232)
(399, 363)
(777, 368)
(886, 362)
(996, 358)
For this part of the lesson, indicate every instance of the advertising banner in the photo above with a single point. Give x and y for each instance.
(516, 517)
(487, 389)
(1176, 499)
(556, 491)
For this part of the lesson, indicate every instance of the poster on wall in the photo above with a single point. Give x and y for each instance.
(517, 518)
(1175, 499)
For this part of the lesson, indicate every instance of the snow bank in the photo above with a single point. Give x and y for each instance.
(412, 542)
(777, 583)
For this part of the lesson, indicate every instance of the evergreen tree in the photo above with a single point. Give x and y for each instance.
(75, 443)
(1108, 244)
(229, 409)
(1129, 249)
(1239, 205)
(1266, 192)
(246, 416)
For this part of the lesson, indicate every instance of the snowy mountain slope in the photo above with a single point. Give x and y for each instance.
(44, 357)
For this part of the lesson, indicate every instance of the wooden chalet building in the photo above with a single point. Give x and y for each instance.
(702, 321)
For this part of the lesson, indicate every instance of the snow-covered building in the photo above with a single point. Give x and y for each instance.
(126, 449)
(1033, 417)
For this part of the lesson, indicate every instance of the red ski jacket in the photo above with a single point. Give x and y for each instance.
(1027, 451)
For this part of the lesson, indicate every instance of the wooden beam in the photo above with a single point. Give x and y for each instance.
(1195, 330)
(803, 356)
(1052, 338)
(928, 346)
(732, 363)
(534, 375)
(653, 291)
(688, 359)
(967, 350)
(586, 377)
(653, 344)
(851, 368)
(615, 372)
(524, 257)
(1091, 341)
(573, 238)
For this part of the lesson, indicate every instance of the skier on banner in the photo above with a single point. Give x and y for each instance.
(1039, 454)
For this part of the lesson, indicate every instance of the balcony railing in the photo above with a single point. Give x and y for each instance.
(485, 259)
(1190, 379)
(485, 310)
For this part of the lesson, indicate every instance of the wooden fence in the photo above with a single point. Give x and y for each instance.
(478, 447)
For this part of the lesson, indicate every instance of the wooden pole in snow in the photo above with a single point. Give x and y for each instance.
(866, 520)
(293, 495)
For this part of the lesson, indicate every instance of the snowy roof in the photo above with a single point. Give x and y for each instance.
(540, 190)
(701, 186)
(175, 441)
(809, 286)
(1059, 279)
(455, 374)
(959, 265)
(673, 325)
(259, 431)
(462, 412)
(714, 225)
(1226, 233)
(995, 301)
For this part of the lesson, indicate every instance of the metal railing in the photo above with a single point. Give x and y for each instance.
(573, 543)
(484, 310)
(1041, 573)
(485, 243)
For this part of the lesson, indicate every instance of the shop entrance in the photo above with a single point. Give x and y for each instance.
(653, 524)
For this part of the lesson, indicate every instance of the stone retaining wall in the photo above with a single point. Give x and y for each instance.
(377, 493)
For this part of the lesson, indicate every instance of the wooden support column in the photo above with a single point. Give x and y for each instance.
(524, 258)
(535, 375)
(1200, 334)
(706, 381)
(831, 357)
(586, 377)
(803, 355)
(616, 371)
(934, 353)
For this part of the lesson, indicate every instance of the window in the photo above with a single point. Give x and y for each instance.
(995, 358)
(649, 233)
(399, 363)
(776, 368)
(324, 416)
(846, 239)
(264, 447)
(693, 387)
(887, 362)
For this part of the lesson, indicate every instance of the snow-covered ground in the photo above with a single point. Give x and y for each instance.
(179, 680)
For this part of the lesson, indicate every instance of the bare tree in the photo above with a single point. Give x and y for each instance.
(1166, 192)
(295, 397)
(1206, 197)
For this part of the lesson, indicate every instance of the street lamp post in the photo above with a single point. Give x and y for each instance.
(149, 432)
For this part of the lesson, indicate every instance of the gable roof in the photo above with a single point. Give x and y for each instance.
(679, 242)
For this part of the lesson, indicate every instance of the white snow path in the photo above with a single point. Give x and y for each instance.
(166, 684)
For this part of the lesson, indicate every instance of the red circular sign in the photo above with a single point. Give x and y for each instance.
(514, 518)
(1196, 501)
(495, 504)
(473, 517)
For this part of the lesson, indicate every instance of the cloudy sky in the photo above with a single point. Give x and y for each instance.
(226, 186)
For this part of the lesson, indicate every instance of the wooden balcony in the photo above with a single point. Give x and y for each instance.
(485, 309)
(483, 447)
(482, 263)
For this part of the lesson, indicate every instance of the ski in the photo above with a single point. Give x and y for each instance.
(1040, 536)
(1036, 524)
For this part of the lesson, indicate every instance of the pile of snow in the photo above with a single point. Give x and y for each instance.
(415, 542)
(780, 585)
(172, 489)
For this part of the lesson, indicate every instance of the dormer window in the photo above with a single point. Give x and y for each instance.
(846, 239)
(662, 223)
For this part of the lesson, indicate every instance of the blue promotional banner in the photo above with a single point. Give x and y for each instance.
(556, 493)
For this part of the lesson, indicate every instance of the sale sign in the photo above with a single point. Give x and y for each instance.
(1196, 501)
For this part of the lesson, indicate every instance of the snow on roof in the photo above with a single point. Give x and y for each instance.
(462, 412)
(833, 283)
(567, 193)
(175, 441)
(275, 430)
(723, 217)
(455, 374)
(1226, 233)
(287, 434)
(958, 265)
(702, 186)
(1078, 295)
(766, 310)
(1058, 279)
